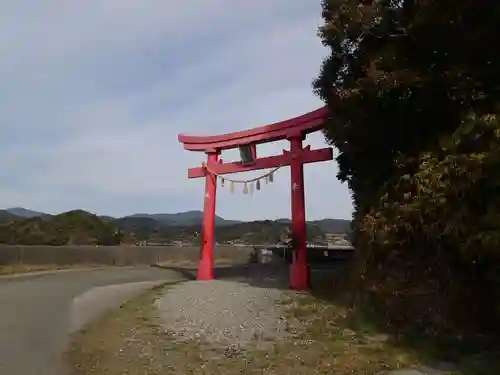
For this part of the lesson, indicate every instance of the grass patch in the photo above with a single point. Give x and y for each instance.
(450, 355)
(328, 342)
(124, 341)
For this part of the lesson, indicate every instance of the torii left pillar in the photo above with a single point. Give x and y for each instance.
(206, 263)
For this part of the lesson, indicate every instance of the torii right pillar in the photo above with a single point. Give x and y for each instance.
(299, 270)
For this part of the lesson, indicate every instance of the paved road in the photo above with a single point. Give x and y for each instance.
(35, 314)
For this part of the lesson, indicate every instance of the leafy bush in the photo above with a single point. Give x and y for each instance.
(433, 241)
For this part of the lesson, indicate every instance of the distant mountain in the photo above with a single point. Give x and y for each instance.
(326, 225)
(23, 212)
(188, 218)
(332, 225)
(7, 216)
(84, 228)
(283, 221)
(106, 218)
(147, 222)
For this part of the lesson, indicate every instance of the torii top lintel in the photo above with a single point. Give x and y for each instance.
(301, 125)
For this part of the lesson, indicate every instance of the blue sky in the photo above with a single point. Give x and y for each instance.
(93, 94)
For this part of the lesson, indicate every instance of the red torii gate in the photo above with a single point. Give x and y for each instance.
(294, 130)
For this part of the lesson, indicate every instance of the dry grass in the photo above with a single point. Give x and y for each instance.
(130, 341)
(330, 343)
(125, 255)
(12, 269)
(18, 259)
(193, 264)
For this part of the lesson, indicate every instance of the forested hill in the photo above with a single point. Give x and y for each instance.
(81, 228)
(73, 227)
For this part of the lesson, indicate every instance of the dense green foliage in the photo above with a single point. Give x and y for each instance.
(70, 228)
(413, 88)
(82, 228)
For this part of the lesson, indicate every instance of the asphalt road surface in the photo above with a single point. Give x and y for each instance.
(38, 312)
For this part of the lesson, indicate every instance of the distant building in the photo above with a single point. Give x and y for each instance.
(285, 235)
(336, 239)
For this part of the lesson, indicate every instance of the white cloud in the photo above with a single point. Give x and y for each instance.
(96, 93)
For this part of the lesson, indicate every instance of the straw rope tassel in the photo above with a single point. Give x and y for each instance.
(255, 183)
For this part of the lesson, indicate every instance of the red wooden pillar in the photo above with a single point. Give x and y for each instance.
(206, 264)
(299, 275)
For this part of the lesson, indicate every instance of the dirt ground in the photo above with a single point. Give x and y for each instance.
(328, 338)
(131, 341)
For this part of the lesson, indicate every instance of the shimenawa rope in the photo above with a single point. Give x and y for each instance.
(268, 177)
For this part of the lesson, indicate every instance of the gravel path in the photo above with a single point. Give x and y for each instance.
(232, 313)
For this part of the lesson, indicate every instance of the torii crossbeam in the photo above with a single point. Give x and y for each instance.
(294, 130)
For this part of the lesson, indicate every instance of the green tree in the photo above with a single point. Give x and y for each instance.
(413, 91)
